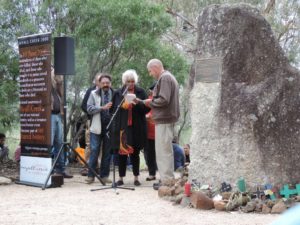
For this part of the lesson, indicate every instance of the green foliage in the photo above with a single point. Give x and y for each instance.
(110, 36)
(9, 104)
(285, 22)
(13, 22)
(120, 35)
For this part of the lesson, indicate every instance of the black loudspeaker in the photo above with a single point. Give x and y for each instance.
(64, 57)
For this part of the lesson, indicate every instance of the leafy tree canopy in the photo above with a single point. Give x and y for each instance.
(110, 36)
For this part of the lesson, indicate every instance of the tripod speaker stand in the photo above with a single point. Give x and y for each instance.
(113, 184)
(67, 146)
(64, 64)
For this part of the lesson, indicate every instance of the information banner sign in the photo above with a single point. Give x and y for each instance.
(35, 108)
(35, 94)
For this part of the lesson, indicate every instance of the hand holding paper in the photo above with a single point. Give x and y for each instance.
(130, 98)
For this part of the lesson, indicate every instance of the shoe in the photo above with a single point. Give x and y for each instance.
(150, 178)
(89, 180)
(180, 169)
(67, 176)
(137, 183)
(84, 172)
(156, 186)
(120, 183)
(106, 180)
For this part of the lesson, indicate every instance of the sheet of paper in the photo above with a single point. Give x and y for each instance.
(130, 97)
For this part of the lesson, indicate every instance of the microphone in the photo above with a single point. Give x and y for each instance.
(117, 109)
(125, 91)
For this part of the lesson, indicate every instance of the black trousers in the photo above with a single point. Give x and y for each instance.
(134, 159)
(150, 157)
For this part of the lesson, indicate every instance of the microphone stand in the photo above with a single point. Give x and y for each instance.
(117, 110)
(114, 184)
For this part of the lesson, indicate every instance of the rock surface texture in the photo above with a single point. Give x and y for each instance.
(247, 123)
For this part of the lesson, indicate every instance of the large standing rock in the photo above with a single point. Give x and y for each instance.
(246, 121)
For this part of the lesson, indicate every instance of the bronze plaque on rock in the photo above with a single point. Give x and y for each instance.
(208, 70)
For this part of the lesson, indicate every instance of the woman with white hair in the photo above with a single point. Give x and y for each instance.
(129, 129)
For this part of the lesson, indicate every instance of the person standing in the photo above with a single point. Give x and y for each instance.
(165, 108)
(186, 149)
(149, 151)
(179, 159)
(56, 123)
(87, 151)
(129, 130)
(3, 149)
(98, 106)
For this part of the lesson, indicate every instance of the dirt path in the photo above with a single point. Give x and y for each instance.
(74, 203)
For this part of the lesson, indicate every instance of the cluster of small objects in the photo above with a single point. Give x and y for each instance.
(266, 199)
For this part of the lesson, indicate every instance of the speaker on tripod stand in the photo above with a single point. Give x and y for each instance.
(64, 64)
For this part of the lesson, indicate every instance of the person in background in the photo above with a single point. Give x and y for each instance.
(98, 106)
(18, 153)
(129, 130)
(56, 123)
(3, 149)
(186, 149)
(179, 159)
(87, 151)
(149, 152)
(165, 108)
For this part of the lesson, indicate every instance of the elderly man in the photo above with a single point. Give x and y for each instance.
(165, 108)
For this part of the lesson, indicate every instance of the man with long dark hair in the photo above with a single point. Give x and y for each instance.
(98, 106)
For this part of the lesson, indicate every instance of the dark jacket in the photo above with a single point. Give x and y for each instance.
(85, 99)
(139, 127)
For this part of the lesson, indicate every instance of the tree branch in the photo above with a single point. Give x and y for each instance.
(285, 29)
(183, 123)
(172, 12)
(270, 6)
(177, 41)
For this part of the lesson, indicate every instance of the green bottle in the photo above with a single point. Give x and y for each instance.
(241, 184)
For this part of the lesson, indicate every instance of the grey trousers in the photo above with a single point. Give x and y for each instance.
(164, 151)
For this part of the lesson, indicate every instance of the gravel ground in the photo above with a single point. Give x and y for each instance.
(74, 203)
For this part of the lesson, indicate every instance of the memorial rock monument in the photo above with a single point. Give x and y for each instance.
(245, 101)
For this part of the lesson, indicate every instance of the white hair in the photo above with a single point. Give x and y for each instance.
(129, 74)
